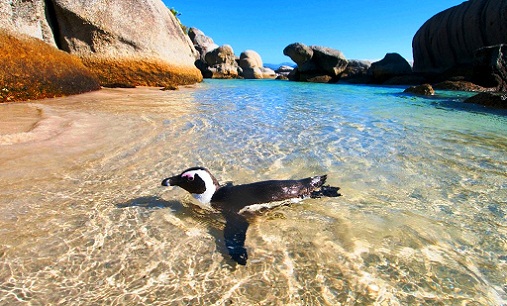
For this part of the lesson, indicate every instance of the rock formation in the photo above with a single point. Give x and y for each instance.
(421, 90)
(252, 66)
(392, 65)
(449, 40)
(356, 72)
(203, 44)
(221, 64)
(490, 67)
(315, 63)
(32, 69)
(134, 42)
(490, 99)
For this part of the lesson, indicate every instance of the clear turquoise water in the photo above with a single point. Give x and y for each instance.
(422, 219)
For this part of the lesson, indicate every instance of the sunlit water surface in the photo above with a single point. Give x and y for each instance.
(422, 219)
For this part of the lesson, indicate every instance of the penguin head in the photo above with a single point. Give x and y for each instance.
(198, 181)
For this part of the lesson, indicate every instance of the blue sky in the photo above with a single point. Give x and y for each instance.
(360, 29)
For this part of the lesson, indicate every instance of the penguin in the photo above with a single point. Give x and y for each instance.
(231, 200)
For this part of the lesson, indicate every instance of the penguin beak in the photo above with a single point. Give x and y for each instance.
(171, 181)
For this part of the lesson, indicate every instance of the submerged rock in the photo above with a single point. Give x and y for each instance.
(421, 90)
(490, 99)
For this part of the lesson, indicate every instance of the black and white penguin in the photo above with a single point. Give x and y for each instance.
(230, 199)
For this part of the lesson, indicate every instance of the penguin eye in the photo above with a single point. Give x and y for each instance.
(190, 178)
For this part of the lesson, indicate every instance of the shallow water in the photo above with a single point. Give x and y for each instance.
(422, 219)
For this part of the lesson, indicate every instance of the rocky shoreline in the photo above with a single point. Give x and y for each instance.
(81, 48)
(146, 46)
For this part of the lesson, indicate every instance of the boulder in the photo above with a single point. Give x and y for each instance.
(315, 63)
(490, 67)
(450, 38)
(221, 63)
(298, 52)
(331, 61)
(390, 66)
(268, 73)
(33, 69)
(407, 79)
(252, 66)
(221, 55)
(490, 99)
(250, 59)
(27, 17)
(202, 43)
(284, 70)
(460, 85)
(421, 90)
(356, 72)
(122, 42)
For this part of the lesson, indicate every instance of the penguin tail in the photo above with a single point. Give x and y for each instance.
(321, 190)
(318, 181)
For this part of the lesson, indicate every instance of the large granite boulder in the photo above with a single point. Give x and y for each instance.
(298, 52)
(27, 17)
(332, 61)
(449, 39)
(490, 67)
(134, 42)
(202, 43)
(252, 66)
(392, 65)
(315, 63)
(356, 72)
(221, 63)
(33, 69)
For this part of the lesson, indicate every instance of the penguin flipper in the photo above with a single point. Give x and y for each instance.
(235, 229)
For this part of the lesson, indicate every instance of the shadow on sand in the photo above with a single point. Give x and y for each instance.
(214, 220)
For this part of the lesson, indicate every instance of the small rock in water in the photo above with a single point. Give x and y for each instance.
(423, 90)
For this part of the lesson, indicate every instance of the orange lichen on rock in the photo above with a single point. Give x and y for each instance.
(141, 72)
(33, 69)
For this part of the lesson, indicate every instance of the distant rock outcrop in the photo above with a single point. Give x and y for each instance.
(122, 42)
(449, 40)
(356, 72)
(315, 63)
(252, 66)
(392, 65)
(202, 43)
(221, 64)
